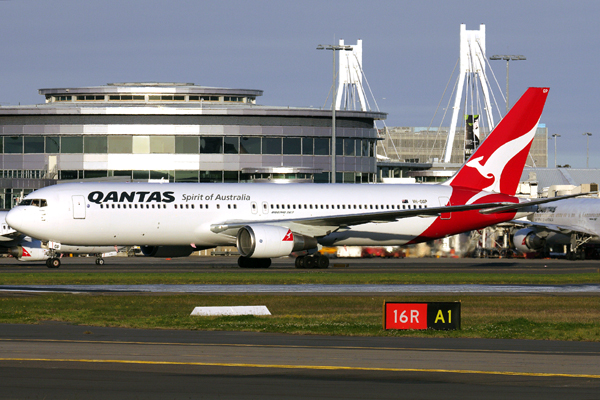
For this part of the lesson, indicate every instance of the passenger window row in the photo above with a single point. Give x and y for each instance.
(344, 206)
(141, 206)
(273, 206)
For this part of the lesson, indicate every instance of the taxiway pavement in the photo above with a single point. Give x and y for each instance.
(65, 361)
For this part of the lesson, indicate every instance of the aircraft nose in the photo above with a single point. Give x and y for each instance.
(16, 219)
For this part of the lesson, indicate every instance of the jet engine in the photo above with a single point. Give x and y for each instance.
(266, 241)
(28, 253)
(527, 240)
(167, 251)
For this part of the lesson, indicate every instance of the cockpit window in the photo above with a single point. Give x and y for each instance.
(34, 202)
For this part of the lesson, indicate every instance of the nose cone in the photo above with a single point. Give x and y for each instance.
(16, 219)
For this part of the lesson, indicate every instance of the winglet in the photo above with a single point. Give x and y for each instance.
(498, 163)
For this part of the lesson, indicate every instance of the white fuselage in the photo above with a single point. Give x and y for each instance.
(579, 214)
(183, 214)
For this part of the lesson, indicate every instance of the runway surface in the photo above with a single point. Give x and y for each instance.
(286, 265)
(64, 361)
(588, 289)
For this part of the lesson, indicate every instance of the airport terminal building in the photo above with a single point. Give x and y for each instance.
(178, 132)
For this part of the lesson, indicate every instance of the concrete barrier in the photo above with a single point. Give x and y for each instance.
(238, 310)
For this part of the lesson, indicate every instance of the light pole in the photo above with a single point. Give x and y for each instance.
(508, 58)
(587, 161)
(555, 136)
(333, 48)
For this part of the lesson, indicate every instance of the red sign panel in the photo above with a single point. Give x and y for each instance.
(429, 315)
(406, 316)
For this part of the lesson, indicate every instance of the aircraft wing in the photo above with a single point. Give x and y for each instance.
(321, 226)
(563, 229)
(510, 207)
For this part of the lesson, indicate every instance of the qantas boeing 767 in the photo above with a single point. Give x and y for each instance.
(274, 220)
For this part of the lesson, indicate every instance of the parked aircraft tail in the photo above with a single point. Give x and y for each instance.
(497, 164)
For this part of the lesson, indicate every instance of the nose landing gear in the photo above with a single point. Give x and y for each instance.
(53, 262)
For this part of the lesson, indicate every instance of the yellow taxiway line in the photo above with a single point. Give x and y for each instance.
(308, 367)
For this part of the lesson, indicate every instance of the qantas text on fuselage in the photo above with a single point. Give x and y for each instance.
(99, 197)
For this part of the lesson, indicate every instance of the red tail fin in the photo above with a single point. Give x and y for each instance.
(497, 164)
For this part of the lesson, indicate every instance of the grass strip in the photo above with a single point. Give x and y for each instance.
(304, 277)
(500, 317)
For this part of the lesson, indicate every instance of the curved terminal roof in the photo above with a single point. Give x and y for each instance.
(160, 98)
(150, 88)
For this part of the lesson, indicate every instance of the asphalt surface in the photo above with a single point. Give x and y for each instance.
(52, 361)
(63, 361)
(337, 265)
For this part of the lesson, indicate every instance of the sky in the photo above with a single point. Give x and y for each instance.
(410, 49)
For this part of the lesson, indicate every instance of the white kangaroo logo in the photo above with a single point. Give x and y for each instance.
(495, 164)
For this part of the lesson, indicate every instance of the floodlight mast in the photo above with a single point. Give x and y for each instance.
(555, 136)
(508, 59)
(587, 161)
(333, 48)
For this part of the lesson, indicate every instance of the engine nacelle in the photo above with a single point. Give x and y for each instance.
(167, 251)
(23, 253)
(526, 240)
(266, 241)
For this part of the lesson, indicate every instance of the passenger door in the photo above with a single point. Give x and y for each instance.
(78, 207)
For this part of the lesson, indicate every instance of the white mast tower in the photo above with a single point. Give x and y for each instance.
(350, 94)
(472, 68)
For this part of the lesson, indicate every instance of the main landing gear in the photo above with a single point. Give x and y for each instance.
(99, 261)
(314, 261)
(246, 262)
(53, 262)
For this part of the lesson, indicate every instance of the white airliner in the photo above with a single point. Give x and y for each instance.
(25, 248)
(274, 220)
(572, 222)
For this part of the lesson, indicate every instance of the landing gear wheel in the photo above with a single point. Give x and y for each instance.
(309, 262)
(99, 261)
(321, 262)
(245, 262)
(300, 262)
(53, 262)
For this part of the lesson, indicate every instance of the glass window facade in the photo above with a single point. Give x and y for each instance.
(292, 146)
(120, 144)
(322, 147)
(272, 145)
(162, 144)
(211, 145)
(52, 144)
(141, 144)
(187, 145)
(71, 144)
(231, 145)
(250, 145)
(33, 144)
(13, 144)
(148, 144)
(308, 146)
(95, 144)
